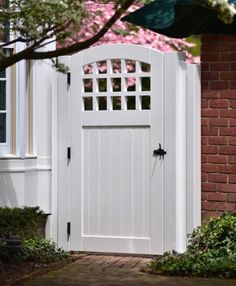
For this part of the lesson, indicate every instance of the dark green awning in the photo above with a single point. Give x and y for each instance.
(180, 19)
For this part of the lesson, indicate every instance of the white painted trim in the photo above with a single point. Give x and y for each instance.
(193, 147)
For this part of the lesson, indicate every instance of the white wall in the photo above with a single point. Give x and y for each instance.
(26, 181)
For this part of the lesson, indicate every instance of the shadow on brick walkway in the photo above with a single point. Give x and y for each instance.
(108, 270)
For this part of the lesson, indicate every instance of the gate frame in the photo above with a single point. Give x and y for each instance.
(182, 98)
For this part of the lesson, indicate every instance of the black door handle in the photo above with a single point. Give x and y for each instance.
(159, 152)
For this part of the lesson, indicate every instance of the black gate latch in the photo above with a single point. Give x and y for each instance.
(159, 152)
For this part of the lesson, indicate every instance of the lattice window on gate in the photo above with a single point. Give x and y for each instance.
(116, 84)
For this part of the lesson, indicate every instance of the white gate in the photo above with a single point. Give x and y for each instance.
(127, 104)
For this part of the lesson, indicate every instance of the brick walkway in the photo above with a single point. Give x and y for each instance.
(100, 270)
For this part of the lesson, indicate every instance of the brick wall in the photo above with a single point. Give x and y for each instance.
(218, 59)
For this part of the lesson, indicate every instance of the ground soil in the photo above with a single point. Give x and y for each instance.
(11, 273)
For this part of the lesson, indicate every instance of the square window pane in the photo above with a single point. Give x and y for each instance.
(131, 102)
(3, 74)
(88, 85)
(102, 67)
(131, 83)
(88, 103)
(145, 67)
(116, 103)
(116, 84)
(88, 69)
(146, 83)
(102, 103)
(102, 84)
(116, 66)
(2, 127)
(145, 102)
(130, 66)
(2, 95)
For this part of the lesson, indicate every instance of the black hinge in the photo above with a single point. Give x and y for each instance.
(68, 78)
(68, 153)
(68, 228)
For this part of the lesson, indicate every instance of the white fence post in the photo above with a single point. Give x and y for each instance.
(61, 194)
(193, 147)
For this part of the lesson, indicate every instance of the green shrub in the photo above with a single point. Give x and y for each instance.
(22, 221)
(211, 251)
(41, 251)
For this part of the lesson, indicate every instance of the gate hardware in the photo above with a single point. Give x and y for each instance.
(68, 153)
(68, 228)
(159, 152)
(68, 78)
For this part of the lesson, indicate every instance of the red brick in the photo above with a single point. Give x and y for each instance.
(210, 94)
(209, 205)
(204, 158)
(218, 103)
(211, 187)
(217, 140)
(225, 131)
(233, 47)
(211, 131)
(232, 140)
(206, 112)
(204, 103)
(227, 150)
(219, 85)
(223, 168)
(228, 188)
(233, 131)
(209, 168)
(232, 84)
(227, 75)
(217, 196)
(219, 66)
(210, 38)
(232, 122)
(204, 140)
(204, 121)
(209, 149)
(205, 85)
(211, 57)
(225, 207)
(204, 177)
(205, 67)
(227, 38)
(218, 122)
(229, 94)
(232, 103)
(217, 178)
(232, 179)
(232, 159)
(210, 75)
(232, 197)
(229, 113)
(233, 66)
(226, 57)
(217, 159)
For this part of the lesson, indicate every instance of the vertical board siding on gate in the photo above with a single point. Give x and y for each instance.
(116, 170)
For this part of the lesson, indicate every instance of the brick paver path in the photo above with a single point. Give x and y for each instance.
(108, 270)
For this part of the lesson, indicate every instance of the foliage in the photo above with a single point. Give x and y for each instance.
(41, 251)
(37, 23)
(22, 221)
(226, 9)
(75, 25)
(211, 251)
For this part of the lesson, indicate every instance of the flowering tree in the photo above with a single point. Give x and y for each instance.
(123, 32)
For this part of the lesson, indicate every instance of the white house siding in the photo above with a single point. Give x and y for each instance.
(25, 180)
